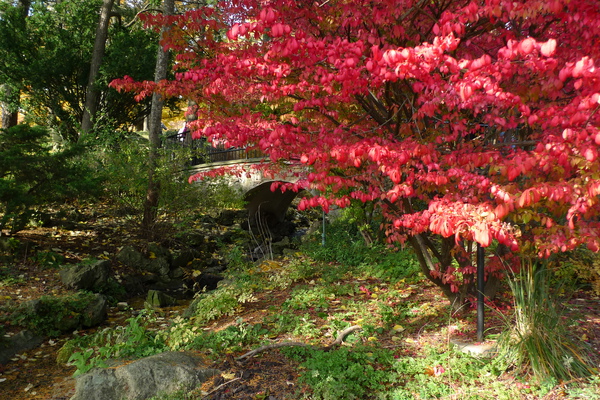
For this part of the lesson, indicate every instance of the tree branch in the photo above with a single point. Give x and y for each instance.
(340, 338)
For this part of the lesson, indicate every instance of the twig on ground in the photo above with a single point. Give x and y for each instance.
(220, 386)
(340, 338)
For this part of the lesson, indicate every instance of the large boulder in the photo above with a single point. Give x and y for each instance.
(142, 379)
(92, 277)
(54, 315)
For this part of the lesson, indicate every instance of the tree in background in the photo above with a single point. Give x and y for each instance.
(91, 93)
(155, 126)
(464, 122)
(47, 58)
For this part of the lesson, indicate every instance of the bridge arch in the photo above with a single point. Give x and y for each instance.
(271, 205)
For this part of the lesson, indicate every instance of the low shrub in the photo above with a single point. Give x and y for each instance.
(131, 341)
(537, 339)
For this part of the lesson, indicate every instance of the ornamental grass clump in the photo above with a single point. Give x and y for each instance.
(538, 339)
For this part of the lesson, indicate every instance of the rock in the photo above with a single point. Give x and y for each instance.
(159, 266)
(279, 247)
(55, 315)
(92, 277)
(183, 258)
(208, 281)
(122, 306)
(142, 379)
(22, 341)
(177, 273)
(131, 257)
(95, 313)
(159, 299)
(156, 251)
(230, 217)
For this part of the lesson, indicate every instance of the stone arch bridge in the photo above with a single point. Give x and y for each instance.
(260, 200)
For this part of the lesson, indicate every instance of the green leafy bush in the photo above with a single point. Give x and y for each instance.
(124, 159)
(345, 245)
(343, 373)
(134, 340)
(231, 339)
(33, 174)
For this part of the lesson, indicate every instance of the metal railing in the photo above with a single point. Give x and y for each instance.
(203, 153)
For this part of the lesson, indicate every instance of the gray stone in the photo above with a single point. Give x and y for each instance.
(154, 250)
(279, 247)
(93, 277)
(182, 259)
(22, 341)
(485, 349)
(131, 257)
(160, 374)
(177, 273)
(159, 266)
(159, 299)
(95, 312)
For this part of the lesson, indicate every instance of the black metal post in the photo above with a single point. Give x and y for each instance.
(480, 290)
(323, 234)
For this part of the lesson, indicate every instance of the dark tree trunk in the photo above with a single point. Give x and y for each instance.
(9, 109)
(91, 95)
(154, 131)
(9, 113)
(429, 255)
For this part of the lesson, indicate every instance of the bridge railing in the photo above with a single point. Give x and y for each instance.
(203, 153)
(217, 154)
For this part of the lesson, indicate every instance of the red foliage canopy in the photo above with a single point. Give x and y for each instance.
(476, 121)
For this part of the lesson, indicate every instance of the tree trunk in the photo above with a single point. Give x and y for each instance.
(9, 109)
(91, 94)
(154, 131)
(428, 256)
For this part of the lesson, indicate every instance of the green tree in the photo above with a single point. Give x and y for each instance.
(48, 58)
(34, 174)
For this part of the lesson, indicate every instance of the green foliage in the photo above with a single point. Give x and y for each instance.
(124, 160)
(231, 339)
(51, 314)
(538, 339)
(226, 300)
(47, 56)
(344, 373)
(48, 259)
(580, 266)
(33, 174)
(131, 341)
(9, 275)
(345, 245)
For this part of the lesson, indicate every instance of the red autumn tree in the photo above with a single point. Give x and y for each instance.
(465, 122)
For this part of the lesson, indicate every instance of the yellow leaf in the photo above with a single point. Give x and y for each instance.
(398, 328)
(584, 337)
(152, 255)
(228, 376)
(372, 339)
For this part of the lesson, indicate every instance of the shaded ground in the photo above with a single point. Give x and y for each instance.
(35, 374)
